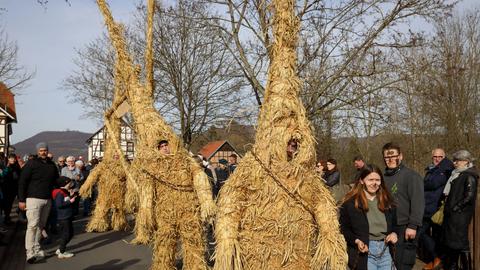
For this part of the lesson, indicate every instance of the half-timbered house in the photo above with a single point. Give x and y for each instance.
(96, 143)
(7, 117)
(216, 150)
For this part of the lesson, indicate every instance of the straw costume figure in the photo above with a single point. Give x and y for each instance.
(274, 211)
(110, 177)
(111, 180)
(174, 194)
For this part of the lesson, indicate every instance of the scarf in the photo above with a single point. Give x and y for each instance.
(391, 172)
(453, 176)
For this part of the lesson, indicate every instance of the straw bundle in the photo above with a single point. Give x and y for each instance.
(174, 182)
(109, 174)
(111, 182)
(275, 213)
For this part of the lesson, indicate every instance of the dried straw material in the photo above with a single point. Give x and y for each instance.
(112, 173)
(259, 224)
(175, 182)
(111, 183)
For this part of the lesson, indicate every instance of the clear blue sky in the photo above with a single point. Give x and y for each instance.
(47, 37)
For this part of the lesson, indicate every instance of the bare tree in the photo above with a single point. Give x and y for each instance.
(197, 83)
(92, 83)
(14, 75)
(454, 80)
(434, 102)
(337, 37)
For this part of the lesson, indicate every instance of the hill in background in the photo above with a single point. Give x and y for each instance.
(59, 143)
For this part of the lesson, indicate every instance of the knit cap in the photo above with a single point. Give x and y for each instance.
(42, 145)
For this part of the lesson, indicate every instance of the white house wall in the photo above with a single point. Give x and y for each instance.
(126, 136)
(3, 133)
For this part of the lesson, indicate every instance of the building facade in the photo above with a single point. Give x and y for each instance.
(96, 143)
(216, 150)
(7, 117)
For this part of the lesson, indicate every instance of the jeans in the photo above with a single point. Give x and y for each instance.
(87, 202)
(379, 257)
(66, 233)
(51, 226)
(8, 198)
(429, 239)
(37, 215)
(406, 250)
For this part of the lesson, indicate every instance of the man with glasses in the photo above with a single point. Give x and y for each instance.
(434, 182)
(406, 187)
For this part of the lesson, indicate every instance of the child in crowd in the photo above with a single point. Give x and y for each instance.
(64, 198)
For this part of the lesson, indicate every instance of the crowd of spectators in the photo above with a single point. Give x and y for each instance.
(32, 181)
(386, 217)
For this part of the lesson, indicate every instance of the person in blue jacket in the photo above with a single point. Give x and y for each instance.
(434, 182)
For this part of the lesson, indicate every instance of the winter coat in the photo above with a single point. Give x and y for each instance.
(332, 178)
(62, 204)
(222, 176)
(354, 225)
(37, 179)
(10, 175)
(459, 209)
(434, 183)
(406, 187)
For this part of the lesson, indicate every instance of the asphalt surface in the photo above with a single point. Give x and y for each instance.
(93, 251)
(109, 250)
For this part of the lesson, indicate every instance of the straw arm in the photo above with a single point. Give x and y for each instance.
(149, 49)
(208, 208)
(331, 246)
(93, 177)
(228, 254)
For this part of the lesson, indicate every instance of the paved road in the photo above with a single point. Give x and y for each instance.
(95, 251)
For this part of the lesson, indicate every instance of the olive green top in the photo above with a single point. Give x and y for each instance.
(376, 221)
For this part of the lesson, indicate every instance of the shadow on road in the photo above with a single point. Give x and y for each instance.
(101, 240)
(113, 264)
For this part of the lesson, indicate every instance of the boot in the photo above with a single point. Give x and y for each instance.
(451, 261)
(466, 260)
(428, 266)
(437, 263)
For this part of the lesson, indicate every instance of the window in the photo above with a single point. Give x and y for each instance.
(102, 146)
(130, 147)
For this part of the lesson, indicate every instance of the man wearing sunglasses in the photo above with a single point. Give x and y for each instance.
(406, 187)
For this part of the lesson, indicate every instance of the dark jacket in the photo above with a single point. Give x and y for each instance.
(459, 209)
(231, 168)
(10, 175)
(354, 225)
(62, 204)
(434, 183)
(37, 179)
(332, 178)
(222, 176)
(407, 188)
